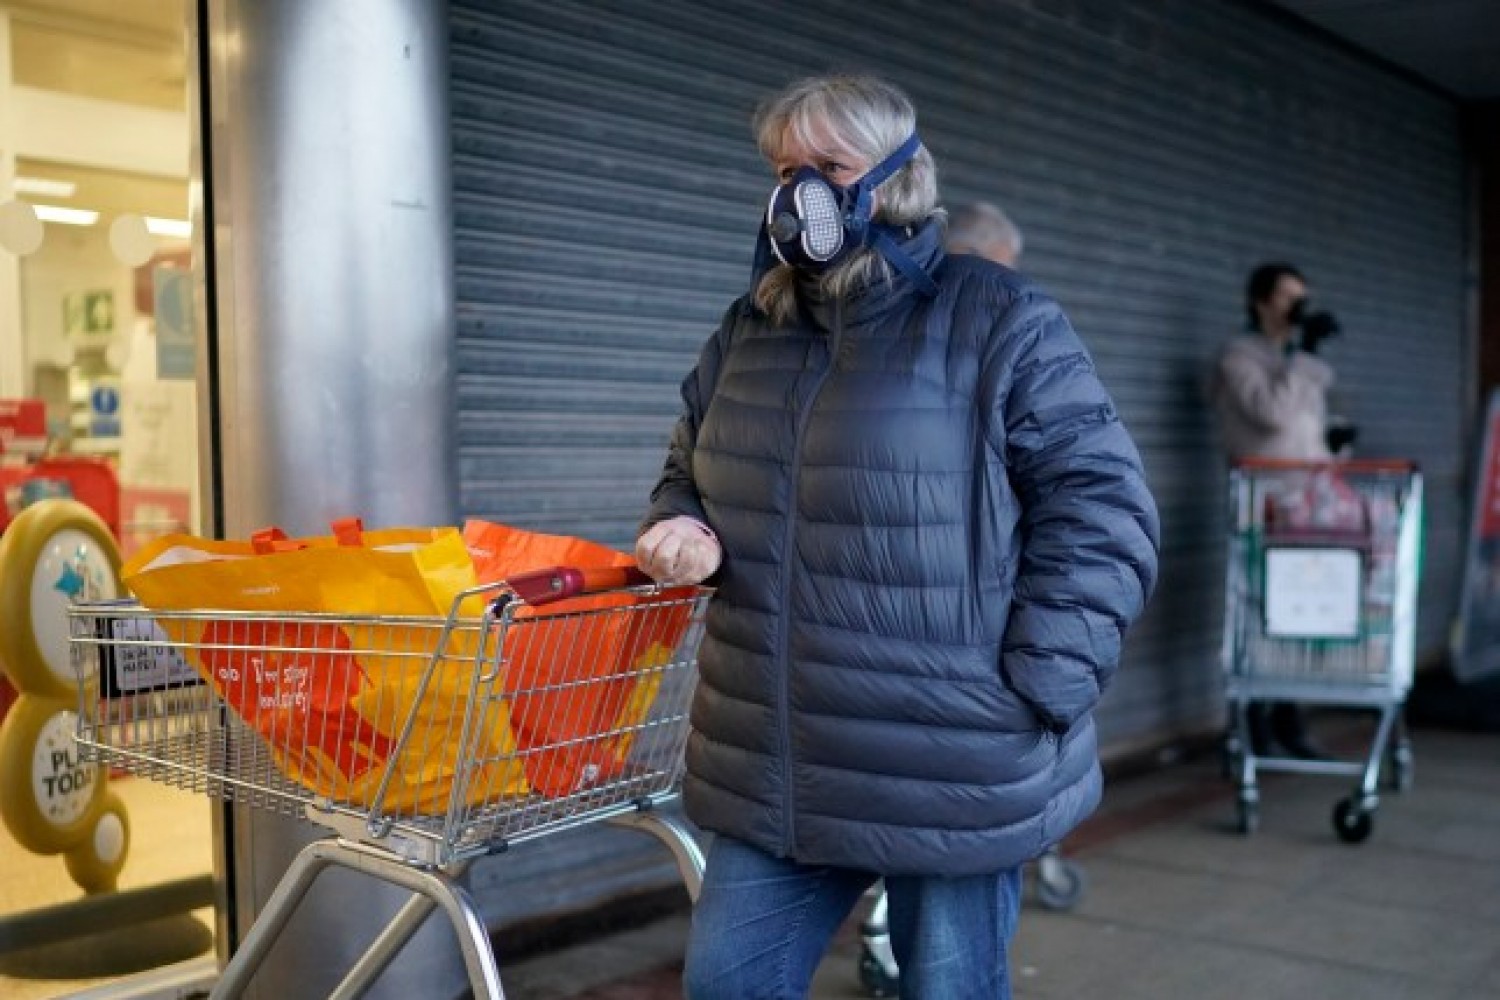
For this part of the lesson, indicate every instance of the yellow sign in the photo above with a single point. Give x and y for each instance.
(52, 801)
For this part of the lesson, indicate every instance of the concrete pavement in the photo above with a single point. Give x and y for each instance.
(1178, 905)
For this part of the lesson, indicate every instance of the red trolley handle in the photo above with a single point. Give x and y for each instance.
(558, 583)
(1355, 465)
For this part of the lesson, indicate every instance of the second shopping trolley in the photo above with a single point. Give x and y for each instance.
(419, 744)
(1320, 608)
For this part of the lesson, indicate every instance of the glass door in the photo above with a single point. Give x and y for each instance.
(98, 406)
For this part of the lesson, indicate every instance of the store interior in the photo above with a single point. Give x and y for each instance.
(98, 403)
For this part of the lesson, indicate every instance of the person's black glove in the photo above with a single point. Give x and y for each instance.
(1340, 436)
(1316, 328)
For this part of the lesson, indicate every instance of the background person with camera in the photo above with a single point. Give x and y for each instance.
(1271, 391)
(1270, 387)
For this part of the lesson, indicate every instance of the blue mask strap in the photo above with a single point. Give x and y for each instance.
(877, 175)
(880, 239)
(764, 259)
(879, 236)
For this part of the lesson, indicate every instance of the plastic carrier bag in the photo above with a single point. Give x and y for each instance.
(1318, 503)
(578, 682)
(330, 699)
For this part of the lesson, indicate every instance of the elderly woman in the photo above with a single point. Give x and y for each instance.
(928, 530)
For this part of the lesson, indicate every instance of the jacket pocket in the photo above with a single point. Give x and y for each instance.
(1104, 640)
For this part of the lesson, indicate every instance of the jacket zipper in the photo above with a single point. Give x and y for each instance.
(789, 826)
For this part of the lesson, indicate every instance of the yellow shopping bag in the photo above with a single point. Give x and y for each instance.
(330, 698)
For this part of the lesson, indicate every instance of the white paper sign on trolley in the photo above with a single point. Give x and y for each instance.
(1313, 593)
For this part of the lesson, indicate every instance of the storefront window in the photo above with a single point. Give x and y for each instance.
(98, 393)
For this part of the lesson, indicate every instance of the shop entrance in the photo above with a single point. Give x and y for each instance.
(99, 372)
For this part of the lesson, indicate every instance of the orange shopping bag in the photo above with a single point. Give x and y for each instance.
(330, 698)
(576, 679)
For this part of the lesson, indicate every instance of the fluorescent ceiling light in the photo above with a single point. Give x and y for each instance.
(180, 228)
(44, 187)
(66, 216)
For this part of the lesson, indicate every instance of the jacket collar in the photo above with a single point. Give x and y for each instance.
(924, 245)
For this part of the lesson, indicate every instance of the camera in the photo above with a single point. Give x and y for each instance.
(1316, 326)
(1339, 434)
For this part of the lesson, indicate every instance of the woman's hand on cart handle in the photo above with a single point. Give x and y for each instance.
(679, 551)
(558, 583)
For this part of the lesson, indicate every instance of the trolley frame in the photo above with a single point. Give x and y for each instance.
(1371, 667)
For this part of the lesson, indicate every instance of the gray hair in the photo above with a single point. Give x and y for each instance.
(979, 228)
(872, 118)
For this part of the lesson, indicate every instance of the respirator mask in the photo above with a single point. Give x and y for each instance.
(813, 224)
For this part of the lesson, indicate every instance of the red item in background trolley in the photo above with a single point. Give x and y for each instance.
(1319, 504)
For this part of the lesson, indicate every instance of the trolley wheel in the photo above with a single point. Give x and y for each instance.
(877, 982)
(1060, 884)
(1248, 818)
(1352, 821)
(1401, 767)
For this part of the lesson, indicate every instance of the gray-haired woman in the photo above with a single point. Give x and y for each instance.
(928, 530)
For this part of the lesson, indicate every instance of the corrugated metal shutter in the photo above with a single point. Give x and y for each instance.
(602, 186)
(607, 193)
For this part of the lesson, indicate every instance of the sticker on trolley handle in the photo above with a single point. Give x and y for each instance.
(138, 657)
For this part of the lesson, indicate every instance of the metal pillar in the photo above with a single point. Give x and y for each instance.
(330, 371)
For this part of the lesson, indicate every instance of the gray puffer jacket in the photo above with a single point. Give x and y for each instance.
(935, 532)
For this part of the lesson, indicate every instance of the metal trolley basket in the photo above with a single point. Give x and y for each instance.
(144, 709)
(1321, 602)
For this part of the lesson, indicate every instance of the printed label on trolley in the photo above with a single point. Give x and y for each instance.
(138, 657)
(1313, 593)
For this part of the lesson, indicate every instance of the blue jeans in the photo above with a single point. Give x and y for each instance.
(762, 924)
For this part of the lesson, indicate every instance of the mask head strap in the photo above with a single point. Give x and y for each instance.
(881, 237)
(864, 188)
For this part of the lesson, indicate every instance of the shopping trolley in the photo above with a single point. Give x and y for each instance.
(145, 709)
(1321, 602)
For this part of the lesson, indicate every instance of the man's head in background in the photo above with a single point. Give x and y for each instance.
(983, 230)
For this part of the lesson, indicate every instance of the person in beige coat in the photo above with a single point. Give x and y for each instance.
(1271, 392)
(1270, 389)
